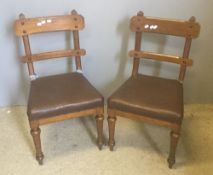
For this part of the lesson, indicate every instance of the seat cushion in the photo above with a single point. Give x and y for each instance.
(61, 94)
(150, 96)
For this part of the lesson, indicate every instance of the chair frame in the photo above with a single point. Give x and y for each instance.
(187, 29)
(73, 22)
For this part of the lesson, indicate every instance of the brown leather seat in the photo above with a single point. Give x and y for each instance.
(59, 94)
(150, 96)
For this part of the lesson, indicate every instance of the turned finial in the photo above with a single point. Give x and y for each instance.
(192, 19)
(21, 16)
(140, 13)
(74, 12)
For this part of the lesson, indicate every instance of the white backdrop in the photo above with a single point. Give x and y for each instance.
(107, 40)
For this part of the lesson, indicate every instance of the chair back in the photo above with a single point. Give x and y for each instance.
(29, 26)
(187, 29)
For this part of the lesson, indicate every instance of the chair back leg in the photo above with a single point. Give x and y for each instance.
(175, 135)
(111, 123)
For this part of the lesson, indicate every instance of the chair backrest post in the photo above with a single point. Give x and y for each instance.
(136, 61)
(25, 27)
(28, 54)
(27, 50)
(76, 45)
(186, 29)
(186, 51)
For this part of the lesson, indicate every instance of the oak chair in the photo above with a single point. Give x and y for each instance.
(153, 99)
(58, 97)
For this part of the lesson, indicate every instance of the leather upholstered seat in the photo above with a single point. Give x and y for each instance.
(150, 96)
(61, 94)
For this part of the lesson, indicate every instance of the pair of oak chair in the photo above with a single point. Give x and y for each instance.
(146, 98)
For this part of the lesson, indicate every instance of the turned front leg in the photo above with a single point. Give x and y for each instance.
(173, 146)
(111, 124)
(99, 122)
(35, 132)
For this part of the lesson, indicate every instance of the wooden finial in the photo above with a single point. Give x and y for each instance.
(74, 12)
(140, 13)
(21, 16)
(192, 19)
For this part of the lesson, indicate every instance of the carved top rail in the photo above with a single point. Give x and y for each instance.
(142, 23)
(27, 26)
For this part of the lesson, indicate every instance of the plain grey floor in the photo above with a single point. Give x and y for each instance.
(69, 146)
